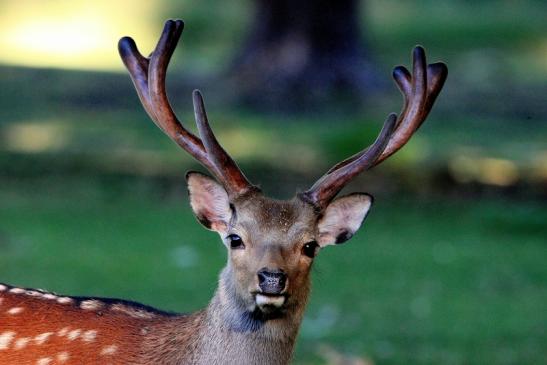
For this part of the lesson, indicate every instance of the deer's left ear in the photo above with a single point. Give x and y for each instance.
(342, 218)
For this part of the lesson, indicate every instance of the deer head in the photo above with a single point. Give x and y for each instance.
(271, 243)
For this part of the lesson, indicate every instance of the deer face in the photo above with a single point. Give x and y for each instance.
(271, 244)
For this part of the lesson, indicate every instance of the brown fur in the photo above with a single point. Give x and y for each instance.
(234, 328)
(40, 316)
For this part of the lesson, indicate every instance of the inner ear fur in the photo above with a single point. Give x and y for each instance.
(342, 218)
(209, 201)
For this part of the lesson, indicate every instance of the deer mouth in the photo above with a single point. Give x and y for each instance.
(269, 300)
(270, 304)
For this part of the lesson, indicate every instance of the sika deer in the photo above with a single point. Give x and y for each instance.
(257, 309)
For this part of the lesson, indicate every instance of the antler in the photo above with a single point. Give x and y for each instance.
(148, 76)
(419, 91)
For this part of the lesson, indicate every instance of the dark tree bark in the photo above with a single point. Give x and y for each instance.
(302, 53)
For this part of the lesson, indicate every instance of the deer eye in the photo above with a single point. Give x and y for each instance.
(235, 241)
(310, 249)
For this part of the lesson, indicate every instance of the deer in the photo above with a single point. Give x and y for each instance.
(258, 306)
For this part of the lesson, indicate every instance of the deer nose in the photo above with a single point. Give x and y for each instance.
(272, 281)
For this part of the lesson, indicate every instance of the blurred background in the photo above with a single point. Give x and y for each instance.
(449, 268)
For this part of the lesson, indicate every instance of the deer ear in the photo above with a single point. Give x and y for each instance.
(209, 202)
(342, 218)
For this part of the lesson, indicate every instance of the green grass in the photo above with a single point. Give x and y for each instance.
(425, 281)
(92, 200)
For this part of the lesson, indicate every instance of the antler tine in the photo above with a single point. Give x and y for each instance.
(419, 91)
(436, 76)
(148, 75)
(161, 108)
(330, 184)
(137, 65)
(226, 168)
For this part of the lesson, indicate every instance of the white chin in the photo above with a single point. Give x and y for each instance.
(277, 301)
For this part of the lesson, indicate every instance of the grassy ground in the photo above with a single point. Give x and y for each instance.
(92, 200)
(426, 281)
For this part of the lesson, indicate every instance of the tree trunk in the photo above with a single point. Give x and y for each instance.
(303, 53)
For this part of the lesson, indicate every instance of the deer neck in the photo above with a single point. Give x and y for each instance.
(225, 332)
(233, 335)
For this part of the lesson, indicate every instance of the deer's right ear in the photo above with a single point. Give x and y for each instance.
(209, 202)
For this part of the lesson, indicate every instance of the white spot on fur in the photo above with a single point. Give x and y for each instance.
(91, 304)
(33, 293)
(49, 296)
(41, 338)
(21, 343)
(63, 331)
(17, 290)
(3, 287)
(133, 312)
(63, 356)
(15, 310)
(89, 336)
(109, 350)
(72, 335)
(5, 339)
(64, 300)
(43, 361)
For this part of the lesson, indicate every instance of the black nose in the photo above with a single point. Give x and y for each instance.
(272, 281)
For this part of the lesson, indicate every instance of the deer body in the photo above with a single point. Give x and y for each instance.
(37, 325)
(40, 330)
(259, 303)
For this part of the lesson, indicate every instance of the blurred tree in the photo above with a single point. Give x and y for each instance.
(303, 53)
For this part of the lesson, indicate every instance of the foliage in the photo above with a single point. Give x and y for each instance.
(92, 199)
